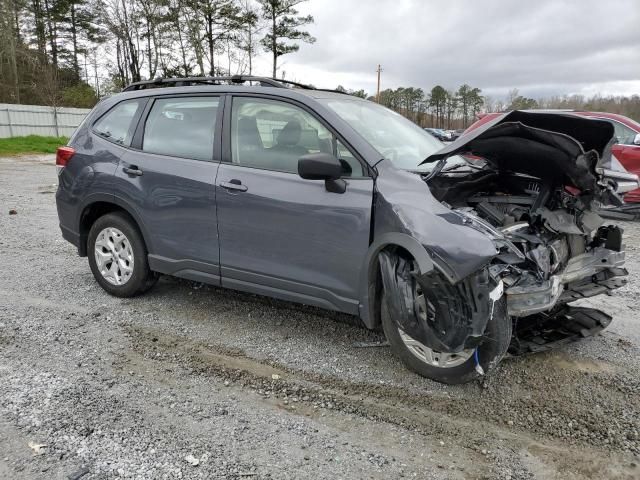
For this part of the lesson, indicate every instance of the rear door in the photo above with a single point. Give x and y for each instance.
(168, 177)
(281, 235)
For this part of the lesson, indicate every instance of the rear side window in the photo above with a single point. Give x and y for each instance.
(116, 125)
(182, 127)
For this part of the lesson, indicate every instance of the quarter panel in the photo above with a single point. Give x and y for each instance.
(89, 172)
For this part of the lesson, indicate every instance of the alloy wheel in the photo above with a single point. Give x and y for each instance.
(429, 356)
(114, 256)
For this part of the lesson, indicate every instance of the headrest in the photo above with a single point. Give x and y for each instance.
(290, 134)
(247, 126)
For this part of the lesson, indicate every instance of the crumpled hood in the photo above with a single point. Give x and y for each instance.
(545, 145)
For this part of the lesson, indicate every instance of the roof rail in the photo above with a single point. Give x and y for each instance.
(187, 81)
(230, 79)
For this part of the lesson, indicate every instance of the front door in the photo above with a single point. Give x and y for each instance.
(281, 235)
(169, 179)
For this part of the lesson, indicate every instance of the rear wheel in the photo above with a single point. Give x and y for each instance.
(451, 368)
(118, 256)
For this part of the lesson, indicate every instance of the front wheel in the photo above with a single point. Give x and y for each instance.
(118, 256)
(451, 368)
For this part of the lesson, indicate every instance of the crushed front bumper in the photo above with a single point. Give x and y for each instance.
(543, 332)
(586, 275)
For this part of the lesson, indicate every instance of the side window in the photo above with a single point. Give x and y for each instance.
(624, 134)
(182, 127)
(350, 164)
(116, 124)
(273, 135)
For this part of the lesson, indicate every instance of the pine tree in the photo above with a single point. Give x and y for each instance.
(284, 24)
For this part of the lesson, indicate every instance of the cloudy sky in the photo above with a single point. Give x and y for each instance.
(542, 47)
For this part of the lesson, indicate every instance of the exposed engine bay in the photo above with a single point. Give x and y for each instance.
(552, 247)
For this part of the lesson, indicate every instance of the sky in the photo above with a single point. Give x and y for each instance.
(540, 47)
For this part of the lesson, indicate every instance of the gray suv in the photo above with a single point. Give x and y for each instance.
(459, 253)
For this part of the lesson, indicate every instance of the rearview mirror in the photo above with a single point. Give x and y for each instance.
(636, 141)
(319, 166)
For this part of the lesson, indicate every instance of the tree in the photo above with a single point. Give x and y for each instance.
(451, 106)
(153, 18)
(82, 26)
(249, 30)
(512, 95)
(284, 24)
(38, 29)
(522, 103)
(123, 20)
(359, 93)
(470, 102)
(437, 101)
(221, 18)
(8, 48)
(54, 11)
(355, 93)
(176, 22)
(80, 95)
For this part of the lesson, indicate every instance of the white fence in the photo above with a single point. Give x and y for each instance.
(21, 120)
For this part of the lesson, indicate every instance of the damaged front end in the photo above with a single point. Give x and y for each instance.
(544, 262)
(536, 193)
(519, 219)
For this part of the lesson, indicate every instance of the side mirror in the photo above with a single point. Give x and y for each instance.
(636, 140)
(323, 166)
(319, 166)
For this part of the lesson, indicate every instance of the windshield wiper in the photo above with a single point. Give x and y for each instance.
(436, 170)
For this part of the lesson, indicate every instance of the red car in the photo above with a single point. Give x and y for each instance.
(627, 150)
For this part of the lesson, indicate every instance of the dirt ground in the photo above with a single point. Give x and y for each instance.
(191, 381)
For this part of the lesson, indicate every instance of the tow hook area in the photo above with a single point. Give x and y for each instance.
(546, 331)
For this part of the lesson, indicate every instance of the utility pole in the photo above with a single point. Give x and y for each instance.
(379, 71)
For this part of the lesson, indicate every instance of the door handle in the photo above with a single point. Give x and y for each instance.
(235, 185)
(132, 170)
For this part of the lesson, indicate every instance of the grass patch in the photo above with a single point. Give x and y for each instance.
(30, 144)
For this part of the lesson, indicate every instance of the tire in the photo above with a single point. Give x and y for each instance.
(490, 352)
(116, 234)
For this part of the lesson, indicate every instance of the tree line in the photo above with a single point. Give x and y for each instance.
(457, 109)
(57, 51)
(439, 108)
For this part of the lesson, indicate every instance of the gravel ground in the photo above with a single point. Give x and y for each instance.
(191, 381)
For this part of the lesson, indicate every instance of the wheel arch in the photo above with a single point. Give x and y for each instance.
(98, 206)
(370, 279)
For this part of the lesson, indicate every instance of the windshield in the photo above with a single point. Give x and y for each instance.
(396, 138)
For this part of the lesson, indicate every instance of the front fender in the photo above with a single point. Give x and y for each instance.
(367, 284)
(407, 215)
